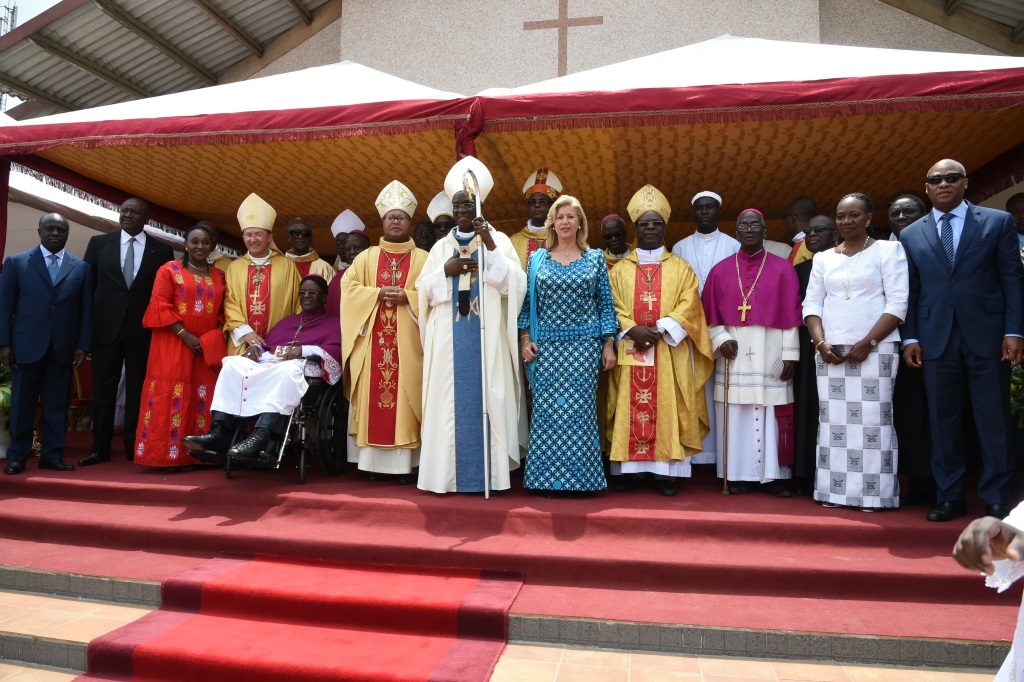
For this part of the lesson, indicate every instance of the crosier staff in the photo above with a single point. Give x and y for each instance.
(472, 187)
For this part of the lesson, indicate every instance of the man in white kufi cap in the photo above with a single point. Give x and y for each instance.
(451, 306)
(703, 250)
(262, 285)
(382, 357)
(541, 189)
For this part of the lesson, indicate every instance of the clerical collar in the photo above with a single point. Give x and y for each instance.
(646, 257)
(260, 261)
(464, 235)
(536, 230)
(751, 256)
(710, 235)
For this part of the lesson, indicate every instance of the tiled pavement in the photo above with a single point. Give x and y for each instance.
(539, 663)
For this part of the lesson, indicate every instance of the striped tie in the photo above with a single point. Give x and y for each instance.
(946, 235)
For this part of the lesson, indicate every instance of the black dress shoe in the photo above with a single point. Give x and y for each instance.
(217, 440)
(739, 488)
(14, 468)
(666, 487)
(625, 483)
(947, 511)
(1000, 511)
(780, 489)
(59, 465)
(93, 458)
(251, 446)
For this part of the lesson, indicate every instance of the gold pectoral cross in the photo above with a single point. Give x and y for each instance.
(743, 310)
(650, 299)
(394, 271)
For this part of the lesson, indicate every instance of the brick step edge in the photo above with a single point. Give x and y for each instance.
(713, 641)
(43, 651)
(95, 588)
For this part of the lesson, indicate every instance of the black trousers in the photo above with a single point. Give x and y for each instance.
(130, 349)
(47, 381)
(988, 388)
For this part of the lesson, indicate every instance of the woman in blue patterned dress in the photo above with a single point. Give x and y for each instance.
(566, 328)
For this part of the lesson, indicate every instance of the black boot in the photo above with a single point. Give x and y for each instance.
(249, 447)
(217, 440)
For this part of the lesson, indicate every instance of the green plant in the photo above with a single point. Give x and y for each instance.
(1017, 395)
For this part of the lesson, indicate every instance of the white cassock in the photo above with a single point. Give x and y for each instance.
(246, 388)
(504, 290)
(703, 252)
(754, 391)
(1005, 574)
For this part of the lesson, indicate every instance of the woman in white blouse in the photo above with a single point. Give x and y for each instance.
(856, 298)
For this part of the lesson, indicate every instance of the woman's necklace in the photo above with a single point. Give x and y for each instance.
(745, 296)
(567, 256)
(842, 265)
(196, 268)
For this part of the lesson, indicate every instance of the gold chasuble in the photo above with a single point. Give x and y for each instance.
(525, 242)
(381, 353)
(311, 264)
(259, 295)
(658, 412)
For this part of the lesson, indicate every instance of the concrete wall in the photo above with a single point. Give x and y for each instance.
(469, 45)
(872, 23)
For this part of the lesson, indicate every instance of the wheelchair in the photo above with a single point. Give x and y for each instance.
(317, 428)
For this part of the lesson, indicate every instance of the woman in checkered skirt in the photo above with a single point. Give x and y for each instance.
(856, 298)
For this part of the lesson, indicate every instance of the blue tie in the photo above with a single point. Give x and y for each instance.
(54, 268)
(946, 235)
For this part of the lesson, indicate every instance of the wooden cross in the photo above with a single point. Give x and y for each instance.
(743, 311)
(563, 23)
(650, 299)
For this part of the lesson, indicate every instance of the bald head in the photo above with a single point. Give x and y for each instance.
(946, 184)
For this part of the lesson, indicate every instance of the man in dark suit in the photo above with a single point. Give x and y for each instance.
(963, 328)
(45, 328)
(124, 265)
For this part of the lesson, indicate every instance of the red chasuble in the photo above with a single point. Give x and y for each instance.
(532, 245)
(257, 299)
(392, 270)
(643, 381)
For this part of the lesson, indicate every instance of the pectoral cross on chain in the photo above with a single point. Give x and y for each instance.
(394, 271)
(743, 310)
(650, 299)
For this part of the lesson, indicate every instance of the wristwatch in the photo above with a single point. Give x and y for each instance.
(872, 342)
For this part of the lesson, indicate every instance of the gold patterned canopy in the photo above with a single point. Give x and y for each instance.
(756, 145)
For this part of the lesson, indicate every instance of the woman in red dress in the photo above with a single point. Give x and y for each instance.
(186, 315)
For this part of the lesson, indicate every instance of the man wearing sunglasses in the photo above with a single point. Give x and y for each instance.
(302, 253)
(963, 328)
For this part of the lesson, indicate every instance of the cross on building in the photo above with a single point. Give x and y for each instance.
(563, 23)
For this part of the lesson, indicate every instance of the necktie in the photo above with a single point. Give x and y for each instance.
(946, 235)
(54, 268)
(129, 264)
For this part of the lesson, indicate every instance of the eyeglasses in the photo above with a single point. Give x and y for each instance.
(820, 228)
(948, 177)
(463, 206)
(749, 227)
(396, 218)
(300, 233)
(309, 292)
(644, 224)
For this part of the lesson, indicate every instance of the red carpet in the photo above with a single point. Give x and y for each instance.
(275, 619)
(750, 561)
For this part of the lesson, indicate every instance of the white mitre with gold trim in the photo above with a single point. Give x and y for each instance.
(455, 180)
(395, 195)
(440, 205)
(255, 212)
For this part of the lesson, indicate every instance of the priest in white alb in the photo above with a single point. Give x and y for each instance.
(703, 250)
(752, 305)
(464, 310)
